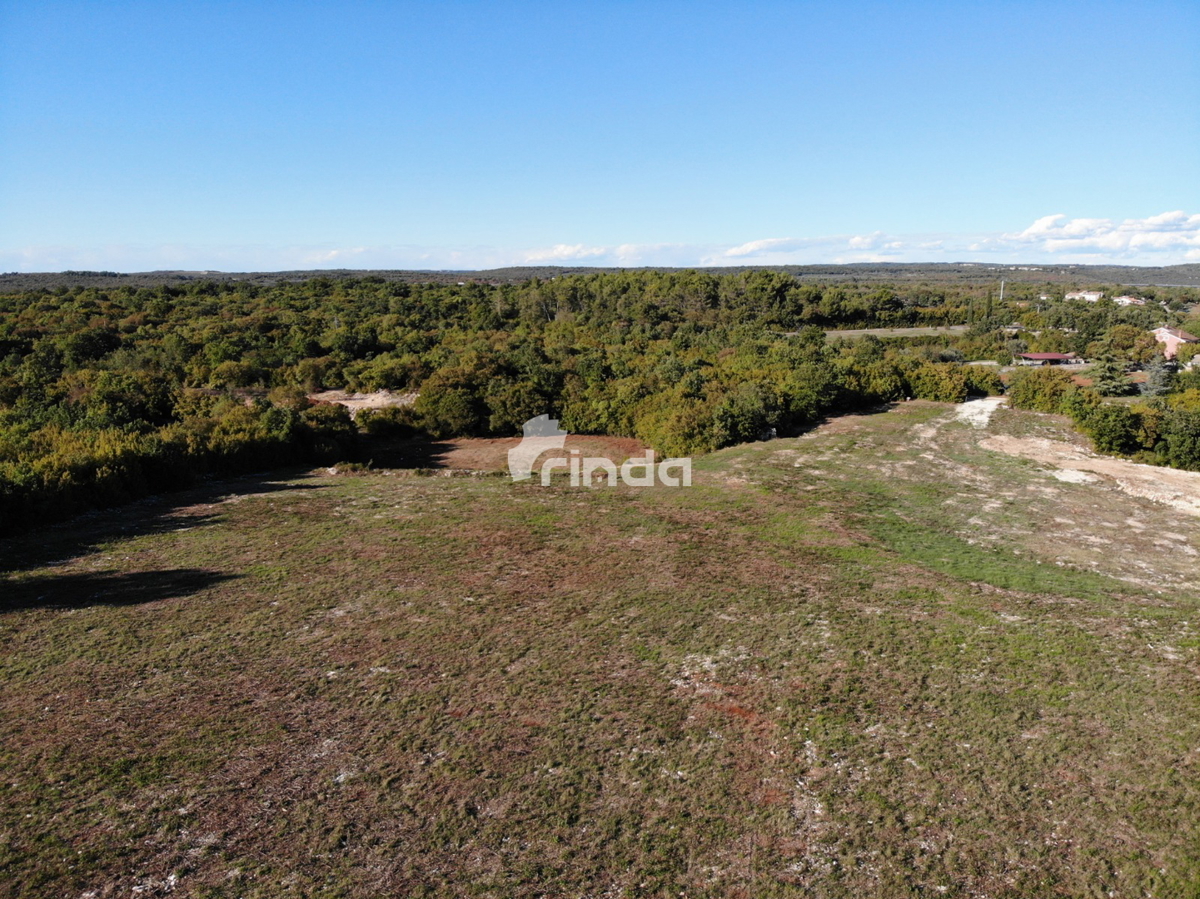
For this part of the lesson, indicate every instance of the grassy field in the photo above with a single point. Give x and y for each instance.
(862, 662)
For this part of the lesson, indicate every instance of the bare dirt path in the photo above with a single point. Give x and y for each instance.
(1178, 489)
(978, 413)
(356, 402)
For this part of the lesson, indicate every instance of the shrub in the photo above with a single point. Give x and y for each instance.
(512, 403)
(1181, 436)
(394, 421)
(983, 381)
(677, 429)
(1149, 424)
(451, 404)
(941, 382)
(746, 413)
(290, 397)
(1113, 428)
(1040, 389)
(1187, 400)
(328, 432)
(235, 374)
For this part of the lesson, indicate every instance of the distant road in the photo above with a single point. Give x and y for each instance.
(898, 332)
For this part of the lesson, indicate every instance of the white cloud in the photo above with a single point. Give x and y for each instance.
(1158, 239)
(340, 256)
(759, 247)
(1164, 239)
(867, 241)
(1044, 225)
(838, 248)
(562, 253)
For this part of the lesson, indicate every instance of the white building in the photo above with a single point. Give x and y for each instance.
(1129, 301)
(1088, 296)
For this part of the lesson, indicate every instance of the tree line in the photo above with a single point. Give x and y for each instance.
(108, 394)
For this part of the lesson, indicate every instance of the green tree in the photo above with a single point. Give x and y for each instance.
(1158, 378)
(1109, 377)
(451, 404)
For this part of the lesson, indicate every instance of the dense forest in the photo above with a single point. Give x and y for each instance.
(109, 393)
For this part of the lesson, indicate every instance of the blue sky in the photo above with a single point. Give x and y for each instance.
(270, 135)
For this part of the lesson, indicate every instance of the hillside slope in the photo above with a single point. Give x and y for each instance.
(879, 659)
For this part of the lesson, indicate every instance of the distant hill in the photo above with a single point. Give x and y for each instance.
(948, 272)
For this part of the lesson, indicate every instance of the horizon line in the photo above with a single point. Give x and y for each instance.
(1017, 266)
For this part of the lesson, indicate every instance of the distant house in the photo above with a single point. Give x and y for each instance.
(1129, 301)
(1047, 358)
(1172, 339)
(1088, 296)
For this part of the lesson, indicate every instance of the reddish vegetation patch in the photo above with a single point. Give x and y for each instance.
(741, 712)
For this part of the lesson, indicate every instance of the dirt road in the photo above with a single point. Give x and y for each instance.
(1177, 489)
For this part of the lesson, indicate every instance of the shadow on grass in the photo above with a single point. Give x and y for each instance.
(411, 452)
(808, 427)
(105, 588)
(158, 514)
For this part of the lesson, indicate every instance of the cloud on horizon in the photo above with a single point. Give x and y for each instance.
(1175, 233)
(1165, 239)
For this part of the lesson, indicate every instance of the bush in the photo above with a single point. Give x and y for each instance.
(1112, 428)
(1040, 389)
(983, 381)
(451, 404)
(1149, 425)
(512, 403)
(290, 397)
(677, 428)
(235, 374)
(1181, 436)
(392, 422)
(748, 412)
(328, 432)
(940, 382)
(1187, 400)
